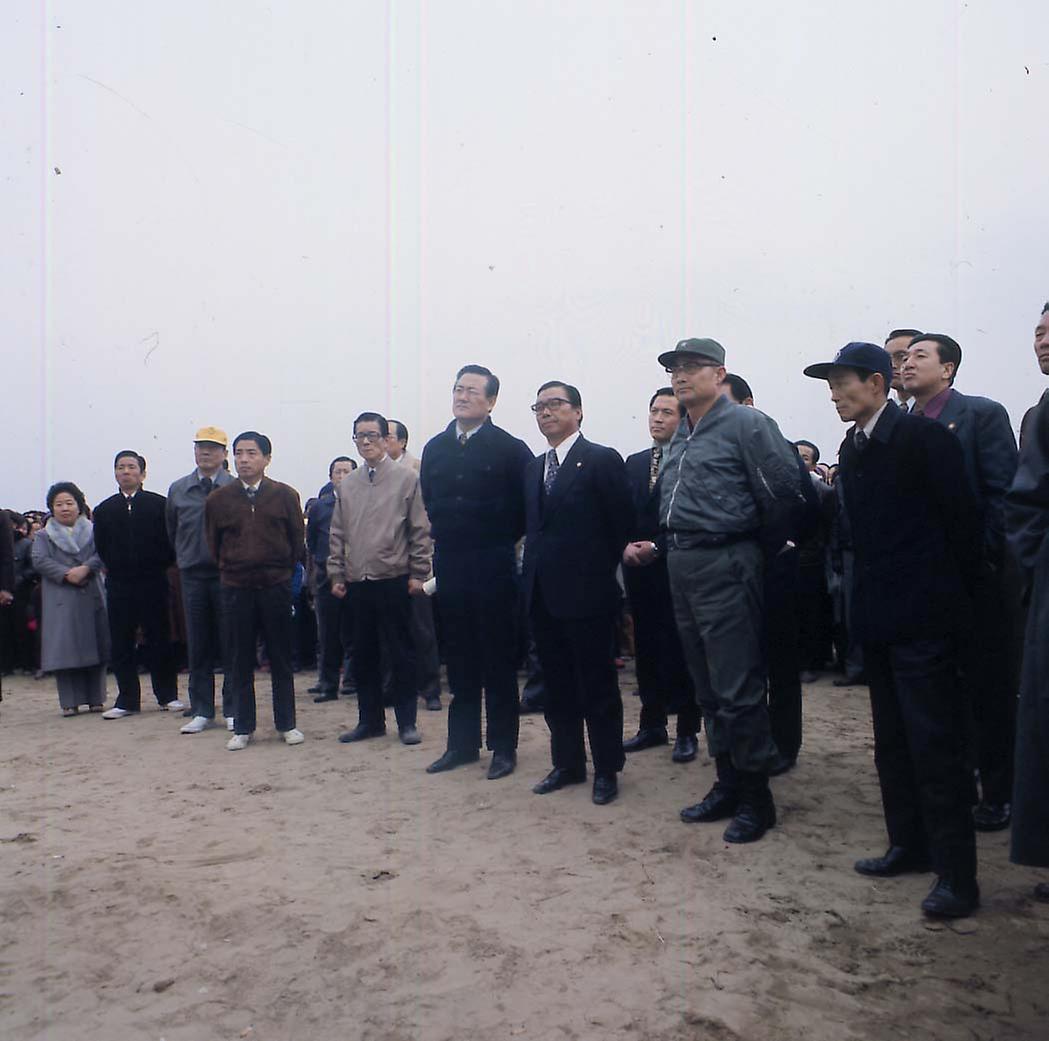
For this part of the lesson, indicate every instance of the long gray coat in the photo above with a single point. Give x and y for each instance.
(75, 631)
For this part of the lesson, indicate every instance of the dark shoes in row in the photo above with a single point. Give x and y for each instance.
(606, 787)
(685, 746)
(502, 764)
(953, 895)
(749, 806)
(409, 735)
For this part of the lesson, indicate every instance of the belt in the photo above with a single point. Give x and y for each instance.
(712, 539)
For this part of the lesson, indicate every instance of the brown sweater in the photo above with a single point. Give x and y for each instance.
(255, 545)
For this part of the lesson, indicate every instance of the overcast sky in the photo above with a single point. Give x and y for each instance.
(275, 216)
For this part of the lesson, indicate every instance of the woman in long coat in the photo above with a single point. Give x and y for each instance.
(75, 630)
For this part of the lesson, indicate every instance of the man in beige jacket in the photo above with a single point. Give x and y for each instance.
(379, 555)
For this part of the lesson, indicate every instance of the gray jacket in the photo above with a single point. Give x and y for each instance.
(75, 630)
(725, 477)
(185, 521)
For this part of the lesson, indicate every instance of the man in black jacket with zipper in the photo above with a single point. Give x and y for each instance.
(132, 539)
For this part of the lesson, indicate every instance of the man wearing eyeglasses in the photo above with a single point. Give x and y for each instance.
(379, 552)
(579, 518)
(729, 474)
(472, 480)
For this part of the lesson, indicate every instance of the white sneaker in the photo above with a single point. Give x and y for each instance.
(116, 713)
(293, 737)
(237, 742)
(196, 725)
(229, 724)
(174, 706)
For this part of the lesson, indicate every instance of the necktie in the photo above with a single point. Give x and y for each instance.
(653, 469)
(207, 484)
(251, 492)
(861, 440)
(462, 439)
(552, 466)
(371, 475)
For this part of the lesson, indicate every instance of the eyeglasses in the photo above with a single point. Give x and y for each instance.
(549, 405)
(689, 367)
(366, 439)
(469, 392)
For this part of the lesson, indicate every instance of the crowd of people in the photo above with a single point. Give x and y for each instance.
(744, 566)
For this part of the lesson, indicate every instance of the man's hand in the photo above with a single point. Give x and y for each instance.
(638, 554)
(6, 598)
(338, 589)
(415, 587)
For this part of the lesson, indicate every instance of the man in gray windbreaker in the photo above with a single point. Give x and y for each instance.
(728, 475)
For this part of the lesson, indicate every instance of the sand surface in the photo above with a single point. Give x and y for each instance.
(155, 886)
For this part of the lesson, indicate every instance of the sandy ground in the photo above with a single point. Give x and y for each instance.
(155, 886)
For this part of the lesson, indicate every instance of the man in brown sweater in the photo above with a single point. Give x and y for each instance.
(379, 554)
(256, 534)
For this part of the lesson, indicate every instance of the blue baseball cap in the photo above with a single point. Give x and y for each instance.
(868, 357)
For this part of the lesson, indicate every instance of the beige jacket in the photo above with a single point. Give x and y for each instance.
(379, 528)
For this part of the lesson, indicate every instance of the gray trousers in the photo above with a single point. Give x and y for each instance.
(718, 606)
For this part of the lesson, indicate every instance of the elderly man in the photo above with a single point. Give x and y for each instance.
(911, 513)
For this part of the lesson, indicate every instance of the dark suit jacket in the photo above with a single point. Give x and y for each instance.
(133, 544)
(915, 530)
(576, 535)
(650, 580)
(985, 433)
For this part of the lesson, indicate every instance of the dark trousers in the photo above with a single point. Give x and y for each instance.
(781, 652)
(478, 602)
(427, 656)
(663, 682)
(335, 634)
(382, 614)
(990, 674)
(718, 594)
(815, 618)
(919, 750)
(582, 686)
(249, 613)
(130, 605)
(207, 643)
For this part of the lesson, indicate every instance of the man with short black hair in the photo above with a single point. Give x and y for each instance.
(472, 480)
(990, 665)
(911, 513)
(397, 444)
(897, 344)
(132, 540)
(662, 674)
(256, 534)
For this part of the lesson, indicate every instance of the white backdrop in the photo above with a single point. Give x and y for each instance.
(278, 215)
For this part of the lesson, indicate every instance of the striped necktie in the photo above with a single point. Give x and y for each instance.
(552, 466)
(653, 467)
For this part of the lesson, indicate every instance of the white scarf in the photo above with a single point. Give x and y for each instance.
(72, 540)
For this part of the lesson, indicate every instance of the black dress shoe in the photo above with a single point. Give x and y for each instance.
(321, 698)
(360, 733)
(451, 759)
(321, 688)
(409, 735)
(651, 737)
(685, 748)
(952, 898)
(501, 765)
(992, 816)
(605, 788)
(558, 778)
(781, 765)
(896, 861)
(720, 802)
(1041, 892)
(349, 691)
(433, 704)
(754, 816)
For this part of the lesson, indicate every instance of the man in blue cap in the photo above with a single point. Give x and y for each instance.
(729, 476)
(911, 513)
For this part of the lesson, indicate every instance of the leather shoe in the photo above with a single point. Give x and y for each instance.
(754, 816)
(557, 778)
(501, 765)
(780, 765)
(651, 737)
(328, 696)
(451, 759)
(320, 688)
(896, 861)
(720, 802)
(992, 816)
(686, 747)
(952, 898)
(360, 733)
(433, 704)
(409, 735)
(605, 788)
(1041, 892)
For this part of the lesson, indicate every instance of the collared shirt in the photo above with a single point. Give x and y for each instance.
(459, 432)
(253, 487)
(561, 451)
(905, 405)
(185, 520)
(868, 427)
(936, 404)
(201, 475)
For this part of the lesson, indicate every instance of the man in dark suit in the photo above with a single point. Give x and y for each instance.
(990, 665)
(911, 513)
(472, 480)
(578, 511)
(662, 675)
(132, 539)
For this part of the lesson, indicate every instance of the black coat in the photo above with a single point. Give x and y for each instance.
(915, 530)
(133, 544)
(651, 579)
(985, 433)
(576, 535)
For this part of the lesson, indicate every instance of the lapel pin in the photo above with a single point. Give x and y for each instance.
(578, 465)
(952, 426)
